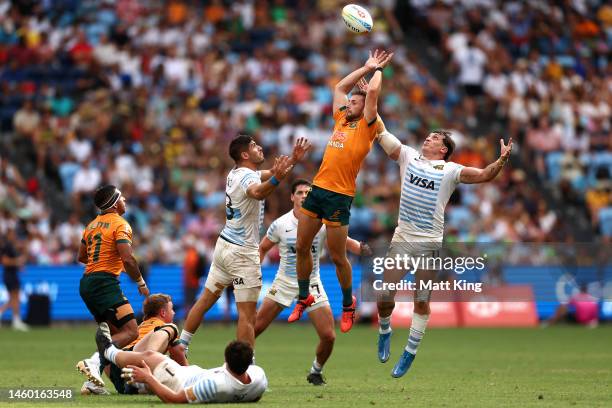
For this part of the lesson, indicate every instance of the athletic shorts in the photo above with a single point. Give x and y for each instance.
(11, 280)
(175, 376)
(334, 209)
(284, 291)
(237, 266)
(103, 297)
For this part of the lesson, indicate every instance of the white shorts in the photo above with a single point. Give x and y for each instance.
(173, 375)
(403, 243)
(284, 291)
(237, 266)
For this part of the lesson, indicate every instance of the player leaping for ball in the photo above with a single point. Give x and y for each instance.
(333, 188)
(428, 180)
(284, 289)
(236, 257)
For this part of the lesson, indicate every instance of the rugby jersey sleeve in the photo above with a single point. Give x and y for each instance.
(249, 178)
(205, 390)
(273, 232)
(454, 173)
(123, 233)
(406, 153)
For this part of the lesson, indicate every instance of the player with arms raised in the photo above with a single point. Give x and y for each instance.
(284, 290)
(329, 201)
(106, 250)
(236, 256)
(428, 180)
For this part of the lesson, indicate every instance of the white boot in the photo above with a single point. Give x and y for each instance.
(19, 325)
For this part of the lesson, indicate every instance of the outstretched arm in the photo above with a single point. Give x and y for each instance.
(259, 191)
(357, 247)
(471, 175)
(375, 85)
(264, 246)
(301, 147)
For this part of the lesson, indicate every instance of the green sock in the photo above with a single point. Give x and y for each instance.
(347, 296)
(304, 285)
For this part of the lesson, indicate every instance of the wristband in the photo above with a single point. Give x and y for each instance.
(274, 181)
(185, 337)
(141, 282)
(379, 69)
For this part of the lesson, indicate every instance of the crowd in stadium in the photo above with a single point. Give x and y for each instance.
(147, 95)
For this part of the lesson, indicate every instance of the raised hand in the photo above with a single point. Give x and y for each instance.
(302, 145)
(374, 60)
(282, 166)
(505, 149)
(384, 58)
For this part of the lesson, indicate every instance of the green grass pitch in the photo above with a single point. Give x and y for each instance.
(554, 367)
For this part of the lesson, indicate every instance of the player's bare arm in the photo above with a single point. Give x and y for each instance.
(282, 167)
(357, 247)
(347, 83)
(379, 61)
(82, 258)
(131, 267)
(472, 175)
(144, 375)
(264, 247)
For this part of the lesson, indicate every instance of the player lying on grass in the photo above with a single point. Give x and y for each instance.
(428, 179)
(236, 381)
(284, 290)
(157, 332)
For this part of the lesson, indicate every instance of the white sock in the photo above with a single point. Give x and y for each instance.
(417, 330)
(186, 336)
(384, 324)
(316, 367)
(111, 353)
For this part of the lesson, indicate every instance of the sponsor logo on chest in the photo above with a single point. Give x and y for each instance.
(422, 182)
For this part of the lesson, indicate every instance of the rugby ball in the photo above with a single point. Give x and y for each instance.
(357, 19)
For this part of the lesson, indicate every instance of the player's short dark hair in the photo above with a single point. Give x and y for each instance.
(447, 140)
(299, 182)
(103, 196)
(153, 304)
(359, 92)
(239, 145)
(238, 356)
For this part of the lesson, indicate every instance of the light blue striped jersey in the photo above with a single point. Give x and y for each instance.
(283, 231)
(244, 215)
(219, 385)
(426, 187)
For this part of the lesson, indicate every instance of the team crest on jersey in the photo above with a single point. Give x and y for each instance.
(439, 167)
(272, 291)
(337, 139)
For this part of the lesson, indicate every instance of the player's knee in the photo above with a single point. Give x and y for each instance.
(303, 248)
(328, 337)
(338, 258)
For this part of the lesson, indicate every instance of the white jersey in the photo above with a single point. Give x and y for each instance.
(426, 187)
(244, 214)
(218, 385)
(283, 232)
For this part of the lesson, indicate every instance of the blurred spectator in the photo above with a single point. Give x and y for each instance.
(12, 262)
(582, 308)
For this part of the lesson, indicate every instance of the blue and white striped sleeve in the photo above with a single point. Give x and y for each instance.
(204, 390)
(272, 233)
(248, 179)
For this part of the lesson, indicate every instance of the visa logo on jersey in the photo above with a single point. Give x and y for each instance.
(422, 182)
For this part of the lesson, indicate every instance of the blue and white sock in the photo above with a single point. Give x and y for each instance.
(111, 353)
(316, 367)
(417, 331)
(384, 325)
